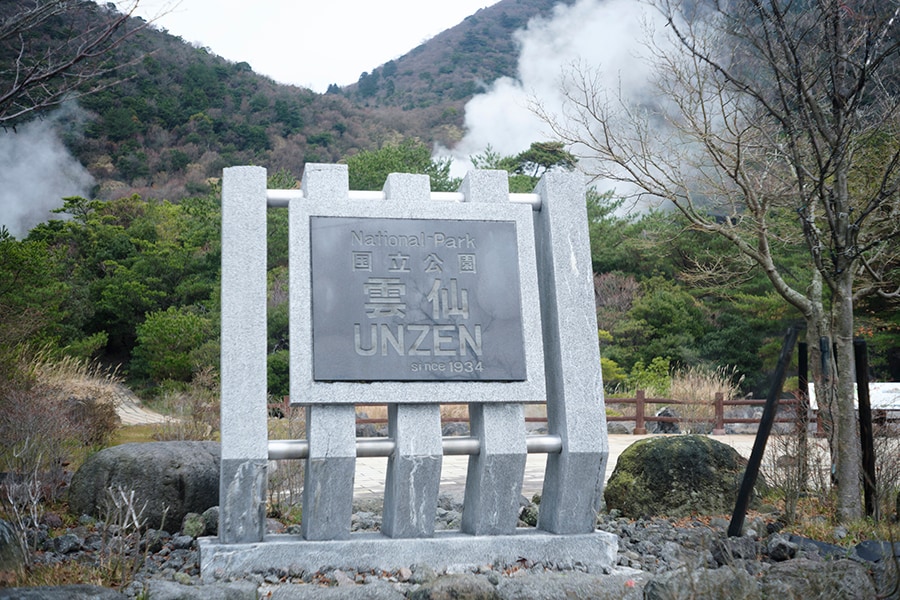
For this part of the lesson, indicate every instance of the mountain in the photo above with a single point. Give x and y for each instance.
(175, 115)
(438, 77)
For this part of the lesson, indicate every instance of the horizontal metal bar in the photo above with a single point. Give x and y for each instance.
(288, 449)
(375, 447)
(533, 199)
(282, 198)
(460, 446)
(367, 447)
(543, 444)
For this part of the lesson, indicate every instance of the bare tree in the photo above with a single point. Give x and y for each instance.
(55, 50)
(774, 124)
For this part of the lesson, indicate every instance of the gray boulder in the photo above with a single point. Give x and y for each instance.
(675, 476)
(211, 521)
(687, 584)
(172, 478)
(781, 548)
(61, 592)
(12, 559)
(170, 590)
(732, 549)
(801, 579)
(616, 428)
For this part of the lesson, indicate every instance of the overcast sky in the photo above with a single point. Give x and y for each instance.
(308, 43)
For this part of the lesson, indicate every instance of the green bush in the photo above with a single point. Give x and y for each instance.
(653, 378)
(166, 341)
(278, 380)
(613, 374)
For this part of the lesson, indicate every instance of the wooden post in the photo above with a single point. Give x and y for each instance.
(639, 427)
(736, 526)
(719, 428)
(861, 357)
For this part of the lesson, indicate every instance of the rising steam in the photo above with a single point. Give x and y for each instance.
(604, 34)
(37, 172)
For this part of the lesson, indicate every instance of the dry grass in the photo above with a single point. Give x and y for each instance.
(797, 471)
(286, 476)
(51, 417)
(192, 413)
(88, 392)
(887, 471)
(699, 386)
(67, 572)
(63, 410)
(798, 484)
(133, 434)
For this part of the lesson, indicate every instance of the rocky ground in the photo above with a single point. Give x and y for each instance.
(657, 558)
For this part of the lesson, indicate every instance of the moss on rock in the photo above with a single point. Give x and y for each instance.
(675, 476)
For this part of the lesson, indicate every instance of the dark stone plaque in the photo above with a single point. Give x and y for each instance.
(415, 300)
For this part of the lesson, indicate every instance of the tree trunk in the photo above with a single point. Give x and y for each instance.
(848, 455)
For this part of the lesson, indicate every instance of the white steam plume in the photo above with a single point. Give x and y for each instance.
(37, 172)
(606, 34)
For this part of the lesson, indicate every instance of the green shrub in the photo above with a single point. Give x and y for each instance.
(653, 378)
(278, 379)
(166, 341)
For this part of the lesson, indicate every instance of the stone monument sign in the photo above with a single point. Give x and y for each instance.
(413, 299)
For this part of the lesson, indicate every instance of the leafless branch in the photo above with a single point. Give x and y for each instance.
(48, 58)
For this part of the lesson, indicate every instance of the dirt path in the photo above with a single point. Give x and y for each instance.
(132, 412)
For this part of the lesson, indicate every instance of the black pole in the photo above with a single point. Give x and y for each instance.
(803, 369)
(825, 356)
(803, 384)
(803, 415)
(762, 435)
(861, 357)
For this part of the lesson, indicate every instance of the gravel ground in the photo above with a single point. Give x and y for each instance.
(648, 549)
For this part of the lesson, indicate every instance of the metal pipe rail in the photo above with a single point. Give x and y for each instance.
(384, 447)
(281, 198)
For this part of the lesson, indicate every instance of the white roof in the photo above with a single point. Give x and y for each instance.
(883, 395)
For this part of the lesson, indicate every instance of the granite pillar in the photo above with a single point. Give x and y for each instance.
(242, 484)
(573, 481)
(413, 474)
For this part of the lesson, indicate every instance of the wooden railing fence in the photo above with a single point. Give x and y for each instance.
(639, 416)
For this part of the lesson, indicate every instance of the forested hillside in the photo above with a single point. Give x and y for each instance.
(132, 278)
(175, 114)
(440, 75)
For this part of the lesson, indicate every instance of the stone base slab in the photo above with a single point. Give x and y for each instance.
(450, 550)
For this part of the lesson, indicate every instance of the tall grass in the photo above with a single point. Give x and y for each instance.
(285, 477)
(53, 417)
(191, 412)
(52, 414)
(887, 471)
(698, 386)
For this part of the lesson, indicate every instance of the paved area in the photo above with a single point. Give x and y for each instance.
(370, 472)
